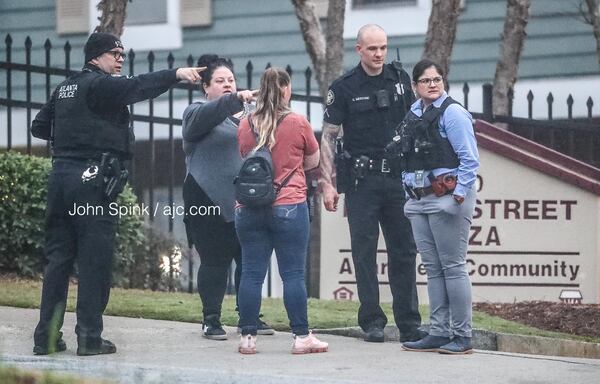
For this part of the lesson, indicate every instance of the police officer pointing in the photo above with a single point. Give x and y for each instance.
(87, 123)
(368, 103)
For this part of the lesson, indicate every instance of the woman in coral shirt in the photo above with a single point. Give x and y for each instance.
(283, 226)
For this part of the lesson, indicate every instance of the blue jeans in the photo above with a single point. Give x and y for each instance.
(285, 229)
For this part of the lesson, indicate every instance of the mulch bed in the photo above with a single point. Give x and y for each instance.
(577, 319)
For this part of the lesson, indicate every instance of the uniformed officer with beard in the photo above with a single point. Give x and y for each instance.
(368, 103)
(87, 123)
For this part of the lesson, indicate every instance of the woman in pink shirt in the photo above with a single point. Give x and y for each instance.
(283, 226)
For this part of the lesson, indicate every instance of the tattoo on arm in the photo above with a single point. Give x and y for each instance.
(330, 133)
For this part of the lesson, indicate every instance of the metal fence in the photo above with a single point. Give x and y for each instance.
(190, 91)
(158, 163)
(576, 137)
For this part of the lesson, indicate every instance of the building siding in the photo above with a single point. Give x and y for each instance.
(559, 43)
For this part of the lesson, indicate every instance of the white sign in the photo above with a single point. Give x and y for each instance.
(535, 233)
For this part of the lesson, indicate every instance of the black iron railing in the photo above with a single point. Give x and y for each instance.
(576, 137)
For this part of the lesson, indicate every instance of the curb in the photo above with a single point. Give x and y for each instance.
(501, 342)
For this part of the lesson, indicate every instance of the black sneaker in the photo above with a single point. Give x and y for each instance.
(212, 329)
(374, 335)
(44, 350)
(106, 347)
(414, 335)
(263, 328)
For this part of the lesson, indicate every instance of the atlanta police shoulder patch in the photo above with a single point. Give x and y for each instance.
(330, 97)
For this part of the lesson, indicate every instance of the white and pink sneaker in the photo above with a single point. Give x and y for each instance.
(308, 344)
(247, 345)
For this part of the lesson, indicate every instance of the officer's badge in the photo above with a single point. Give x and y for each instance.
(330, 97)
(89, 174)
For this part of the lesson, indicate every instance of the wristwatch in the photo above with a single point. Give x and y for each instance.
(459, 199)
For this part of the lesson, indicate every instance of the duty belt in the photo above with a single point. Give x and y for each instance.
(417, 193)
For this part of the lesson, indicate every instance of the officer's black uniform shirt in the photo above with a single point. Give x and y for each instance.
(108, 96)
(351, 102)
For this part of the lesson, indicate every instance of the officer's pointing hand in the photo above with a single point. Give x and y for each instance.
(330, 197)
(247, 96)
(191, 74)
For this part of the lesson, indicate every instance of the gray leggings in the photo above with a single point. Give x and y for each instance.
(441, 229)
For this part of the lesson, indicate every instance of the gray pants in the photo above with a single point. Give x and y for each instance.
(441, 229)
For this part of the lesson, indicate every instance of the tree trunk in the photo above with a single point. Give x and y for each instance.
(513, 37)
(441, 32)
(594, 20)
(112, 18)
(335, 43)
(326, 53)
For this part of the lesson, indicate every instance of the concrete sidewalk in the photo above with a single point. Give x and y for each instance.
(154, 351)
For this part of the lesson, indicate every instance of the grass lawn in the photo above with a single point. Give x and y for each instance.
(186, 307)
(11, 375)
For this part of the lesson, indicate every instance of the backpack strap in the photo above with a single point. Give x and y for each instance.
(254, 129)
(284, 182)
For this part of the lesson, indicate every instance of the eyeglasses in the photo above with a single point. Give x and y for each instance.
(426, 81)
(118, 55)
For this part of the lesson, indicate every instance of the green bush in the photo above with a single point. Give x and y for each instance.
(155, 263)
(23, 196)
(23, 183)
(13, 375)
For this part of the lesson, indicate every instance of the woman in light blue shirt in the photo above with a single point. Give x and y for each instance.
(440, 159)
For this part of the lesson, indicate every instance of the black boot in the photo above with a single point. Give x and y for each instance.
(89, 348)
(412, 335)
(375, 334)
(59, 346)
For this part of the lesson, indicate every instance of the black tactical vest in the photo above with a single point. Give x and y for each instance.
(428, 149)
(79, 131)
(376, 105)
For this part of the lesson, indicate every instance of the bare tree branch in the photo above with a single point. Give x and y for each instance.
(513, 37)
(326, 54)
(112, 18)
(583, 12)
(441, 32)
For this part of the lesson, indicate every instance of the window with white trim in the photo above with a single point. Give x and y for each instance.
(71, 17)
(146, 12)
(400, 17)
(144, 32)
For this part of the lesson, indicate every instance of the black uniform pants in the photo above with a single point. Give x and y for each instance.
(86, 237)
(379, 199)
(217, 244)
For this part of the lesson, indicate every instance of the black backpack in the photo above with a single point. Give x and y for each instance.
(254, 184)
